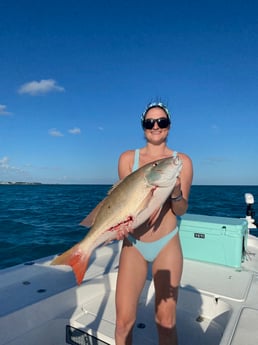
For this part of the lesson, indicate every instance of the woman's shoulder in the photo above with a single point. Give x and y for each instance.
(183, 155)
(185, 158)
(129, 154)
(127, 158)
(125, 164)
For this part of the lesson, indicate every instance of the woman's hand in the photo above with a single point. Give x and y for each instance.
(176, 192)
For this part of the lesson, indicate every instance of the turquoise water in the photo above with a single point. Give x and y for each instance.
(41, 220)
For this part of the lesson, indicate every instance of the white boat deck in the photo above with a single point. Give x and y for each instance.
(218, 305)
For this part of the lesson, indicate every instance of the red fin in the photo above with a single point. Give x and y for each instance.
(90, 219)
(75, 258)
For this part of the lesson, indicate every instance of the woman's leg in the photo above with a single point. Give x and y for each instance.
(167, 272)
(130, 282)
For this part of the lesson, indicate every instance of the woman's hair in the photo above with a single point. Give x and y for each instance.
(154, 105)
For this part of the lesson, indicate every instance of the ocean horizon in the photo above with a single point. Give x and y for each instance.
(38, 220)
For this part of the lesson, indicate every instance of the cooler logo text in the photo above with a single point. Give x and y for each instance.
(198, 235)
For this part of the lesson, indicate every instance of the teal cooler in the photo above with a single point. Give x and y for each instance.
(219, 240)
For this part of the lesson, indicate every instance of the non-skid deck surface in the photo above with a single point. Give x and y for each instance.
(192, 329)
(222, 281)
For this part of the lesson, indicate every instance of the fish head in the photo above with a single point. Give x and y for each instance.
(163, 172)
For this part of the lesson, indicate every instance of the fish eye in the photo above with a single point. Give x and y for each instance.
(155, 164)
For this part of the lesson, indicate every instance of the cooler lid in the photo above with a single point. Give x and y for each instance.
(213, 223)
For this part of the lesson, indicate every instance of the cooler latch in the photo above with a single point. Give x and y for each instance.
(223, 230)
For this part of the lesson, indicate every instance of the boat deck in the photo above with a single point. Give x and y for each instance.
(217, 304)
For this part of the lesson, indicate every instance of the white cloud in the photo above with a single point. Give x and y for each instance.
(3, 110)
(43, 86)
(74, 130)
(4, 163)
(55, 133)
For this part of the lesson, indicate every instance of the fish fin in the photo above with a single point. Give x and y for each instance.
(154, 217)
(108, 241)
(146, 200)
(75, 258)
(115, 185)
(90, 219)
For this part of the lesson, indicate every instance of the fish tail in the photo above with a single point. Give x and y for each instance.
(75, 258)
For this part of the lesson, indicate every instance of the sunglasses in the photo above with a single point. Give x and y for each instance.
(162, 122)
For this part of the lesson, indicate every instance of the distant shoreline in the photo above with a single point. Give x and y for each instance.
(20, 183)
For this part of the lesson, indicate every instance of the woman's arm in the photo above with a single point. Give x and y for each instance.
(180, 193)
(125, 164)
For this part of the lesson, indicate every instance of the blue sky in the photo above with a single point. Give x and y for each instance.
(76, 75)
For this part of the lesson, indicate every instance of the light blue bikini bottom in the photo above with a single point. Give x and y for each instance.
(150, 250)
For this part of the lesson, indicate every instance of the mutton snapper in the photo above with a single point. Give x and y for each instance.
(134, 200)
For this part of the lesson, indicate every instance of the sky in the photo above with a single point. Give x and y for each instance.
(75, 77)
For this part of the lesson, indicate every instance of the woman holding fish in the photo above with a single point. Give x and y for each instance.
(142, 209)
(156, 240)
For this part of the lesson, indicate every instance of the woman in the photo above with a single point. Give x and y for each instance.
(162, 246)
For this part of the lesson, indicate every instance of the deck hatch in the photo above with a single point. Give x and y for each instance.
(76, 336)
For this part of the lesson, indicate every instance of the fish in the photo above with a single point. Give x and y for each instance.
(137, 198)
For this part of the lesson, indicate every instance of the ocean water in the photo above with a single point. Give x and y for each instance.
(42, 220)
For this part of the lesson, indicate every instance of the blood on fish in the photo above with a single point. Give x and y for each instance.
(127, 222)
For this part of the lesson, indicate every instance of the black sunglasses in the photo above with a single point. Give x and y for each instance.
(162, 122)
